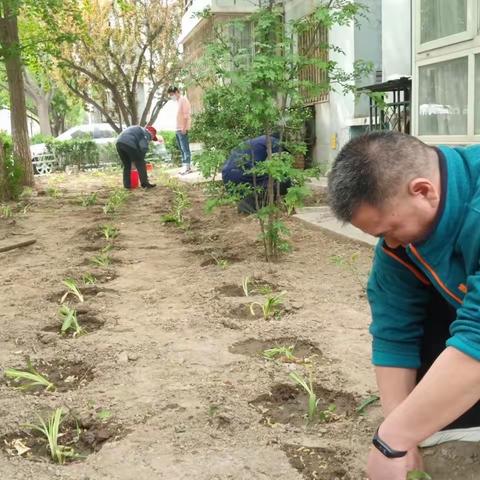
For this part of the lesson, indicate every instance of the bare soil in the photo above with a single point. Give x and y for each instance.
(172, 351)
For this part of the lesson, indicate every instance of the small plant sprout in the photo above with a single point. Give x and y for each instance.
(109, 232)
(53, 192)
(220, 262)
(246, 285)
(270, 306)
(89, 279)
(70, 321)
(418, 475)
(328, 414)
(28, 379)
(101, 260)
(115, 201)
(72, 290)
(366, 403)
(89, 199)
(104, 415)
(6, 211)
(312, 398)
(50, 429)
(283, 352)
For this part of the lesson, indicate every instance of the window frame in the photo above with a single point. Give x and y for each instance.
(468, 34)
(470, 136)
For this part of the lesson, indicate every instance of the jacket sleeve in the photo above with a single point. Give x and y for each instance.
(398, 301)
(465, 330)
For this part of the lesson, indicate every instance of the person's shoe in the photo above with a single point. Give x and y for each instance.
(149, 185)
(186, 170)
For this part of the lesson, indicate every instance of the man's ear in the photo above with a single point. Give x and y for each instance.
(423, 187)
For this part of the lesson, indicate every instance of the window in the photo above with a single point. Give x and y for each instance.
(444, 22)
(103, 132)
(313, 43)
(477, 94)
(442, 98)
(81, 134)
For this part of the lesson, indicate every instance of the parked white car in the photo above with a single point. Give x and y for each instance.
(100, 133)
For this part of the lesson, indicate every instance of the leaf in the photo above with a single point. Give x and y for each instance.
(418, 475)
(365, 403)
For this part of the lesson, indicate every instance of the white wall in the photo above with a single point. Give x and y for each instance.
(397, 39)
(33, 127)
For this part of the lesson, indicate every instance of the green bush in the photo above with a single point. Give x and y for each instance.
(171, 145)
(75, 152)
(10, 186)
(7, 142)
(40, 138)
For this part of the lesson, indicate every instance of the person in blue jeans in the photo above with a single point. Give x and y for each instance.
(184, 121)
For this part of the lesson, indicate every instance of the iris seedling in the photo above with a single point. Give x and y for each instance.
(72, 289)
(109, 232)
(308, 387)
(270, 306)
(286, 352)
(102, 260)
(246, 286)
(50, 429)
(70, 321)
(29, 378)
(89, 200)
(89, 279)
(365, 403)
(6, 211)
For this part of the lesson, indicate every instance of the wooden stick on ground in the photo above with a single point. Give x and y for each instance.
(17, 245)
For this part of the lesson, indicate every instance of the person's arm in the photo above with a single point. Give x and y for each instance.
(185, 113)
(394, 385)
(449, 388)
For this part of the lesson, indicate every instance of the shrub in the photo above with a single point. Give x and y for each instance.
(41, 138)
(82, 153)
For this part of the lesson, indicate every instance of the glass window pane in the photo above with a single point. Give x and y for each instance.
(477, 95)
(441, 18)
(442, 98)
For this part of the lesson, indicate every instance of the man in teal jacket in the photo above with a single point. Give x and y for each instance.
(424, 289)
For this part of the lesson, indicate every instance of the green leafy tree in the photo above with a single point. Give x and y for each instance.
(265, 79)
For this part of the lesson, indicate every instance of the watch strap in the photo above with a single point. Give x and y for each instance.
(385, 449)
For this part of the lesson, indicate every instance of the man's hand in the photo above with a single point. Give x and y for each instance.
(380, 467)
(183, 132)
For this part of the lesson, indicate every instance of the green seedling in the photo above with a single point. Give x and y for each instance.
(418, 475)
(180, 203)
(6, 211)
(53, 192)
(115, 201)
(104, 415)
(220, 262)
(365, 403)
(51, 431)
(70, 321)
(30, 378)
(273, 353)
(264, 289)
(270, 306)
(312, 398)
(72, 290)
(109, 232)
(101, 260)
(246, 285)
(89, 200)
(89, 279)
(328, 414)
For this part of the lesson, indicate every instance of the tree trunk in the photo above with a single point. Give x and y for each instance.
(4, 193)
(43, 105)
(13, 65)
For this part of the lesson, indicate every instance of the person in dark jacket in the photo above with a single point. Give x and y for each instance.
(132, 146)
(242, 159)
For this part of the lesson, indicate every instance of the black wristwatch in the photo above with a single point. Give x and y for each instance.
(385, 449)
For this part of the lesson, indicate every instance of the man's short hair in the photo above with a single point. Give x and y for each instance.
(372, 168)
(173, 89)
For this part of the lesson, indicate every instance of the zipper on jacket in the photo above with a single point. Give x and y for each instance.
(428, 270)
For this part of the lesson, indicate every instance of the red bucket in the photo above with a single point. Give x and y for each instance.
(133, 179)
